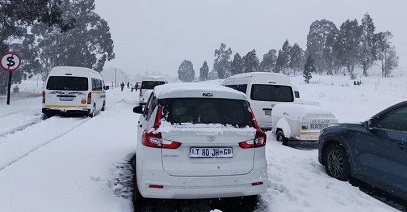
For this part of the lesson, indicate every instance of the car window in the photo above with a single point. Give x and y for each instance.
(277, 93)
(394, 120)
(151, 84)
(207, 111)
(66, 83)
(150, 106)
(241, 88)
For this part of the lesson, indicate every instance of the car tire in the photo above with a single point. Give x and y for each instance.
(93, 112)
(337, 162)
(281, 138)
(103, 107)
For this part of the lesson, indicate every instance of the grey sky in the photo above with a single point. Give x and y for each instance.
(157, 35)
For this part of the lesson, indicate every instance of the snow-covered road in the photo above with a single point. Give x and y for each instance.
(76, 164)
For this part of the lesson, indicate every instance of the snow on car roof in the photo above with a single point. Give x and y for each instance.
(299, 110)
(197, 90)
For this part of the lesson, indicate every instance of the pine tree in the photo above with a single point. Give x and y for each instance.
(222, 62)
(283, 58)
(268, 63)
(367, 57)
(348, 42)
(309, 68)
(316, 42)
(385, 52)
(186, 72)
(203, 72)
(296, 54)
(250, 62)
(237, 65)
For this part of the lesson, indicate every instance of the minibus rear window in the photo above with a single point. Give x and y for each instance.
(151, 84)
(66, 83)
(275, 93)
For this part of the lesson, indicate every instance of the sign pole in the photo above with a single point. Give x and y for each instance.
(10, 76)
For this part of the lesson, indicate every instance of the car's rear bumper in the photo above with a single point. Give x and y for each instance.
(70, 110)
(174, 187)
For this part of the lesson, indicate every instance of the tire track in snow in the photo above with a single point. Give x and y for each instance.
(42, 144)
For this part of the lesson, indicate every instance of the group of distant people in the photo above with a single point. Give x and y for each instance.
(129, 85)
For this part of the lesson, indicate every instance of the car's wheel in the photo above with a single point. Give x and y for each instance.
(103, 107)
(281, 138)
(93, 112)
(337, 162)
(138, 199)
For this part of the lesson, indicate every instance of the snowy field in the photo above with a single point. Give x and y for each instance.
(80, 164)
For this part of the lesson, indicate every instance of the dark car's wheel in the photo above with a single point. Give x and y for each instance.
(281, 138)
(337, 162)
(103, 107)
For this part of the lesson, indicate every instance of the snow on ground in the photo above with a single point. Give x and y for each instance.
(53, 166)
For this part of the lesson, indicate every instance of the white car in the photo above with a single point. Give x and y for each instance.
(147, 85)
(198, 141)
(300, 122)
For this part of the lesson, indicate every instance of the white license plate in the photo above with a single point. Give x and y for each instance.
(318, 126)
(211, 152)
(267, 112)
(66, 98)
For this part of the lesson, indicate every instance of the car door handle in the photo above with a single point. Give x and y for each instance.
(402, 145)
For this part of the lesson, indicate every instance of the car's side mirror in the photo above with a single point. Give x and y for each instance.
(368, 124)
(107, 87)
(138, 109)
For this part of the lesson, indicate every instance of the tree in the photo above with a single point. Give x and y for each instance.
(283, 58)
(237, 65)
(296, 55)
(348, 42)
(16, 17)
(268, 63)
(89, 44)
(203, 72)
(250, 62)
(385, 52)
(316, 42)
(186, 72)
(222, 64)
(309, 68)
(367, 56)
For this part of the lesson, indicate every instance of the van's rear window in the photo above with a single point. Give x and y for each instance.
(67, 83)
(276, 93)
(151, 84)
(207, 111)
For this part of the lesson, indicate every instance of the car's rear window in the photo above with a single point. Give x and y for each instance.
(67, 83)
(207, 111)
(276, 93)
(151, 84)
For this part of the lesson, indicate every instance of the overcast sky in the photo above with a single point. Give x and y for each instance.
(157, 35)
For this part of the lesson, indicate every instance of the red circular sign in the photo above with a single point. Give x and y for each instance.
(10, 61)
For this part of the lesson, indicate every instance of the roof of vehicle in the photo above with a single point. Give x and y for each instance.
(71, 70)
(154, 78)
(196, 90)
(299, 110)
(261, 78)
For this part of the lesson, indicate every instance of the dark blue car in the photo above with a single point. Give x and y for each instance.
(374, 151)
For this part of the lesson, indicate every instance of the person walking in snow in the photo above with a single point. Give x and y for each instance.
(122, 85)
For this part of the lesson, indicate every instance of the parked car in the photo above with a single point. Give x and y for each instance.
(300, 122)
(264, 90)
(147, 85)
(374, 151)
(73, 90)
(198, 141)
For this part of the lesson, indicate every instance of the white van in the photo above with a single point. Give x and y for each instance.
(147, 85)
(264, 90)
(73, 90)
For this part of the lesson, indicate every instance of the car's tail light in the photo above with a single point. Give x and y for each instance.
(259, 140)
(141, 90)
(89, 98)
(156, 186)
(43, 97)
(255, 124)
(152, 138)
(257, 183)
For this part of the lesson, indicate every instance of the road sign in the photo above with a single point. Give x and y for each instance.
(10, 61)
